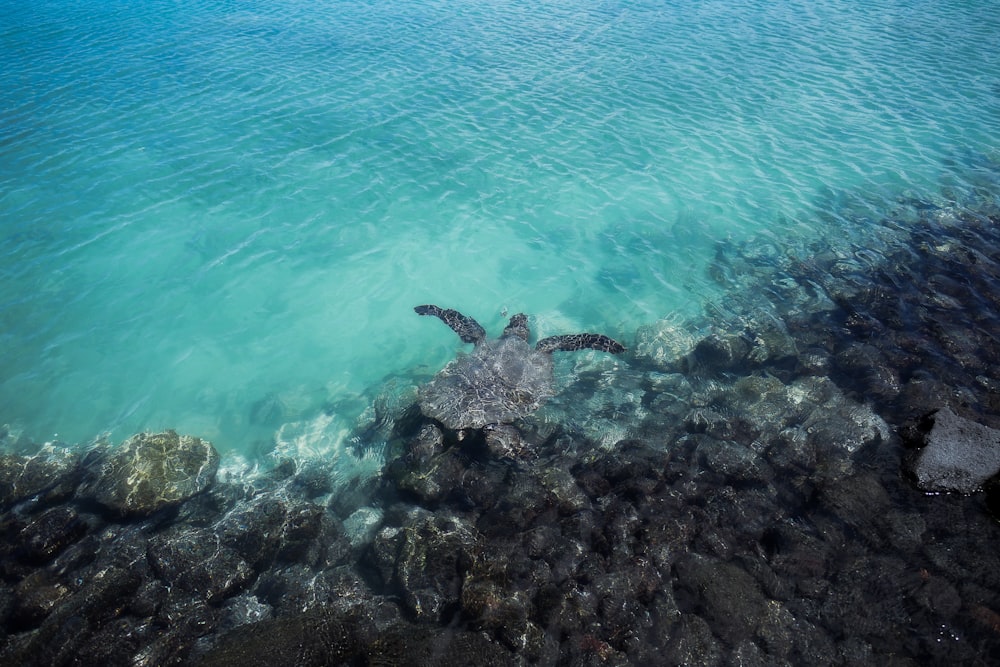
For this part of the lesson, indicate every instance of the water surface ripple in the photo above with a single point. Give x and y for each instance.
(208, 205)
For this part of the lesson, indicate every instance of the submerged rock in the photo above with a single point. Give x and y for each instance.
(733, 602)
(664, 344)
(959, 455)
(199, 564)
(50, 533)
(427, 559)
(52, 471)
(720, 352)
(151, 471)
(65, 634)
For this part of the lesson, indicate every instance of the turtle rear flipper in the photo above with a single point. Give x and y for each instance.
(469, 330)
(584, 341)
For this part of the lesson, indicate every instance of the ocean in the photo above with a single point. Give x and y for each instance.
(217, 217)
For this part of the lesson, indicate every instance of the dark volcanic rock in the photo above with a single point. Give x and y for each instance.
(734, 461)
(428, 558)
(721, 351)
(693, 644)
(859, 502)
(322, 637)
(197, 562)
(49, 533)
(733, 602)
(439, 478)
(273, 527)
(35, 597)
(409, 644)
(959, 455)
(866, 363)
(315, 638)
(72, 624)
(151, 471)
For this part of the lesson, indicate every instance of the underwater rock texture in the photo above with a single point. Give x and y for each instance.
(427, 557)
(53, 471)
(152, 471)
(958, 455)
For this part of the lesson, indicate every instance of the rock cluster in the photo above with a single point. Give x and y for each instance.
(145, 551)
(710, 553)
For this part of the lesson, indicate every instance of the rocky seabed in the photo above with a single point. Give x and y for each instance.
(806, 476)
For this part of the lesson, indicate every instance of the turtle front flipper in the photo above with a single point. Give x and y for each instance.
(584, 341)
(469, 330)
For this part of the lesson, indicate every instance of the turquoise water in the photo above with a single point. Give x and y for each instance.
(208, 207)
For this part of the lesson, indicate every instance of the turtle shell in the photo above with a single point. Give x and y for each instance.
(497, 383)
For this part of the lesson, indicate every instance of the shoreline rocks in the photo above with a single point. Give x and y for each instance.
(731, 496)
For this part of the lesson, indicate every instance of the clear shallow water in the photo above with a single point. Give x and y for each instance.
(203, 206)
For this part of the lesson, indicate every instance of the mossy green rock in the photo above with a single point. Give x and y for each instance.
(152, 471)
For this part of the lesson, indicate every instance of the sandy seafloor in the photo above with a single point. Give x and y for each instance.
(218, 222)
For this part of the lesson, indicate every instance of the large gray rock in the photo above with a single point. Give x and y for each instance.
(428, 558)
(960, 455)
(151, 471)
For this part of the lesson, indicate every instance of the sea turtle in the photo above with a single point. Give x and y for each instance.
(503, 379)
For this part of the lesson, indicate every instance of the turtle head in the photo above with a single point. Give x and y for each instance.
(518, 327)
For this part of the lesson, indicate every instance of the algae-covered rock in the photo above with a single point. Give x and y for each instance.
(151, 471)
(49, 533)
